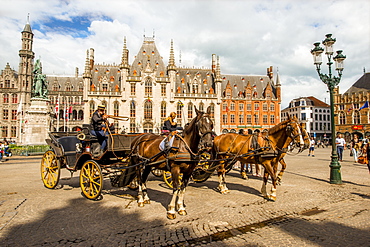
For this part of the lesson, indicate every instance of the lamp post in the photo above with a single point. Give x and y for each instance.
(331, 82)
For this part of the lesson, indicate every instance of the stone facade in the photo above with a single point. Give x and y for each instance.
(313, 112)
(349, 117)
(145, 90)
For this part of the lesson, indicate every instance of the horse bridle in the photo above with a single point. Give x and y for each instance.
(202, 146)
(293, 137)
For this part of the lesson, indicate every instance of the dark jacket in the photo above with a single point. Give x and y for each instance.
(97, 121)
(168, 126)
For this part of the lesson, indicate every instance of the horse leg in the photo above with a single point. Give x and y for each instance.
(180, 203)
(280, 176)
(221, 179)
(264, 183)
(269, 171)
(145, 178)
(142, 197)
(171, 212)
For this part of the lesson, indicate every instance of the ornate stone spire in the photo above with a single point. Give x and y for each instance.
(171, 62)
(124, 60)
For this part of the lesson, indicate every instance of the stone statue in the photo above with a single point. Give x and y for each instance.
(40, 85)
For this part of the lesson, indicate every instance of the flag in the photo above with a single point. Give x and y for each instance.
(57, 108)
(20, 106)
(70, 112)
(351, 108)
(366, 105)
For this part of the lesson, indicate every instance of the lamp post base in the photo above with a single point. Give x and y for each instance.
(335, 174)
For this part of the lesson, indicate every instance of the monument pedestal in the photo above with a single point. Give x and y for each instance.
(37, 122)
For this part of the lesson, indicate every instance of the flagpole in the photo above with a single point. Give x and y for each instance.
(64, 117)
(58, 116)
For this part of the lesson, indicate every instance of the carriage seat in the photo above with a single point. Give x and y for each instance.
(68, 144)
(86, 129)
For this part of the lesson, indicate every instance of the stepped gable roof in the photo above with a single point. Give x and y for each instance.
(362, 84)
(239, 83)
(148, 59)
(106, 73)
(186, 77)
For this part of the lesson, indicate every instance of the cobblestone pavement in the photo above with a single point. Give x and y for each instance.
(309, 211)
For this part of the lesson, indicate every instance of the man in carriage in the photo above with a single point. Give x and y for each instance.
(99, 127)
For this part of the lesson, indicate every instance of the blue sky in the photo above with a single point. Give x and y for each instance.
(249, 36)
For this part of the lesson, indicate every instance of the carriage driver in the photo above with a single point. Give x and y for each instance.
(98, 124)
(169, 125)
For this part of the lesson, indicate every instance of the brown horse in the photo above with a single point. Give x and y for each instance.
(306, 141)
(197, 136)
(232, 147)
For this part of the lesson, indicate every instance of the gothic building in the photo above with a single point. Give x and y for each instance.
(351, 108)
(145, 91)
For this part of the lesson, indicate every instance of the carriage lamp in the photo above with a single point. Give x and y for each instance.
(331, 82)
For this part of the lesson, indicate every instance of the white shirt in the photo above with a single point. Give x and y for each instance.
(312, 143)
(340, 142)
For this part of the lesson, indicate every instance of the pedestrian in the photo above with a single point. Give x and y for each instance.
(311, 150)
(366, 152)
(355, 147)
(341, 145)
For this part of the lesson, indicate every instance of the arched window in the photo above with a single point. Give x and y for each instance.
(74, 115)
(148, 110)
(195, 86)
(132, 110)
(68, 87)
(6, 98)
(342, 118)
(92, 108)
(148, 87)
(212, 115)
(148, 128)
(190, 112)
(116, 108)
(356, 117)
(14, 98)
(80, 115)
(163, 110)
(201, 106)
(55, 87)
(179, 113)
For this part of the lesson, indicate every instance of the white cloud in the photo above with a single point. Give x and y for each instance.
(249, 36)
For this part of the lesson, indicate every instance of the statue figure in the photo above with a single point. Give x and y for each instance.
(40, 85)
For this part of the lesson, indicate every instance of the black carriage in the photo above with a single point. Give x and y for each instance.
(76, 151)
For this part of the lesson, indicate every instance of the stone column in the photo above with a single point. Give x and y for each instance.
(37, 122)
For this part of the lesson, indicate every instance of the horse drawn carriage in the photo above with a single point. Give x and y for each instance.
(134, 156)
(75, 151)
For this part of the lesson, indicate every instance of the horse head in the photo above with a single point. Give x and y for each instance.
(204, 126)
(297, 134)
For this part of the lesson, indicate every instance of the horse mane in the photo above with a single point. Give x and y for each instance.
(190, 126)
(278, 127)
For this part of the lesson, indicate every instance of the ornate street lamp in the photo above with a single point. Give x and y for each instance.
(331, 82)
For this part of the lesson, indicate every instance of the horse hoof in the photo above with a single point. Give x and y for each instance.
(140, 204)
(224, 192)
(171, 216)
(272, 198)
(147, 202)
(182, 212)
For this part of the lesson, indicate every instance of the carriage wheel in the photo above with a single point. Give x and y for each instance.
(91, 180)
(50, 169)
(157, 172)
(167, 177)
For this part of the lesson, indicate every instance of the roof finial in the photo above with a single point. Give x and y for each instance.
(28, 18)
